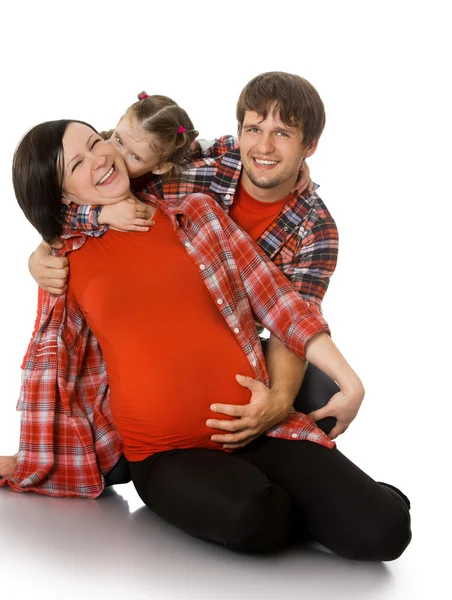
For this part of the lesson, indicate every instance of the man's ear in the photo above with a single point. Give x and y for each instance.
(162, 168)
(311, 148)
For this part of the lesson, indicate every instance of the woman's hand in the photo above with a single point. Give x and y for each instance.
(344, 406)
(128, 215)
(304, 182)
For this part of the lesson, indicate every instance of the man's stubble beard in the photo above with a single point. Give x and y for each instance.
(266, 184)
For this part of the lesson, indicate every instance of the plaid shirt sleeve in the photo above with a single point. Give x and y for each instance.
(275, 304)
(308, 256)
(316, 262)
(212, 148)
(84, 218)
(65, 417)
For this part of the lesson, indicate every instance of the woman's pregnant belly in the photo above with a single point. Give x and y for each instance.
(163, 402)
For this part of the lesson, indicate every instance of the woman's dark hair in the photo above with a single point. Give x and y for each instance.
(38, 164)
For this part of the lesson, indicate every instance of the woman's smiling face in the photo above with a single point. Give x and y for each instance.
(93, 171)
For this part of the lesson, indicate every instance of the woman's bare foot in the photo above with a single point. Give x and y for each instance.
(8, 465)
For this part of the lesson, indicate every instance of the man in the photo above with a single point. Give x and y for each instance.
(280, 120)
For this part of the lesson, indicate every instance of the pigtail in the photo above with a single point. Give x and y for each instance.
(106, 135)
(185, 138)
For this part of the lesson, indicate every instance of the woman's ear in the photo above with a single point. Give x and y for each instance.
(66, 198)
(162, 168)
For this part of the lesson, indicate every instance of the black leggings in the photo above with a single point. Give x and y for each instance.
(259, 497)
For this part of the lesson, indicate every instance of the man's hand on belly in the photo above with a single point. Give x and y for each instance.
(264, 410)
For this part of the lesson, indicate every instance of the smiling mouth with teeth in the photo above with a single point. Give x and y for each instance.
(106, 176)
(266, 163)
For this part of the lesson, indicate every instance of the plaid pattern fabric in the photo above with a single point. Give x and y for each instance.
(84, 219)
(302, 242)
(68, 439)
(202, 149)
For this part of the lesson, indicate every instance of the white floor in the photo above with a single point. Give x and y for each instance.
(115, 548)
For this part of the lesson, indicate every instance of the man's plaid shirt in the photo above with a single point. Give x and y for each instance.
(302, 242)
(68, 438)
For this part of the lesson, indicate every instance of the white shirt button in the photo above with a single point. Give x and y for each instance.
(219, 301)
(202, 267)
(253, 363)
(227, 196)
(187, 244)
(294, 435)
(236, 330)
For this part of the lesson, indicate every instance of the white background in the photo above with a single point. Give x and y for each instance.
(383, 71)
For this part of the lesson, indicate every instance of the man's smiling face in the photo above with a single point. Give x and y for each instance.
(272, 153)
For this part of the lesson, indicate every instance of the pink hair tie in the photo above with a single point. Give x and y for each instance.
(143, 96)
(181, 129)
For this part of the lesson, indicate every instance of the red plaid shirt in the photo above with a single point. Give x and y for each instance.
(68, 438)
(302, 241)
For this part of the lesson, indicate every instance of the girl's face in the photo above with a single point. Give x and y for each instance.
(94, 173)
(138, 148)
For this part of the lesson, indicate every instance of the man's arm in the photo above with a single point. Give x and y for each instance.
(286, 372)
(268, 406)
(312, 264)
(50, 272)
(280, 309)
(310, 256)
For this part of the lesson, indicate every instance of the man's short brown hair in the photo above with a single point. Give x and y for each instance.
(295, 101)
